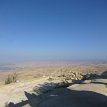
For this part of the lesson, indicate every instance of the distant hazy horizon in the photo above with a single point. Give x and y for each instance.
(52, 61)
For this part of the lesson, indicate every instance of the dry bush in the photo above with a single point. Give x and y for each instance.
(50, 79)
(11, 78)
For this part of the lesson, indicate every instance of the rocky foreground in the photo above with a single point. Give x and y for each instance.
(73, 90)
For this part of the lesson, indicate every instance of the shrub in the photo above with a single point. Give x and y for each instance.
(50, 79)
(11, 78)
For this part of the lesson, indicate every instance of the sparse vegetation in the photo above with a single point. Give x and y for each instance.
(12, 78)
(50, 79)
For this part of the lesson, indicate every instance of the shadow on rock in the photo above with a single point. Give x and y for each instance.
(64, 97)
(104, 75)
(22, 103)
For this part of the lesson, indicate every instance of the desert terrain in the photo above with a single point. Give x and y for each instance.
(75, 85)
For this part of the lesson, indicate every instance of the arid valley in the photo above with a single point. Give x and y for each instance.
(35, 85)
(53, 53)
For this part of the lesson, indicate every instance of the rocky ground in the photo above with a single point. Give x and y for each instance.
(60, 89)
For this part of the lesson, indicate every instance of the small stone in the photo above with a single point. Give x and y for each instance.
(69, 81)
(17, 81)
(86, 81)
(27, 105)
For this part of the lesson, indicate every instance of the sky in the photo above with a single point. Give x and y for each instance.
(53, 29)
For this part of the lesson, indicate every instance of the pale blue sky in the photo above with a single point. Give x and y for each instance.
(53, 29)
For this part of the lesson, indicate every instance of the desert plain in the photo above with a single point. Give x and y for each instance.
(58, 85)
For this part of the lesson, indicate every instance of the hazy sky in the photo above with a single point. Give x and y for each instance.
(53, 29)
